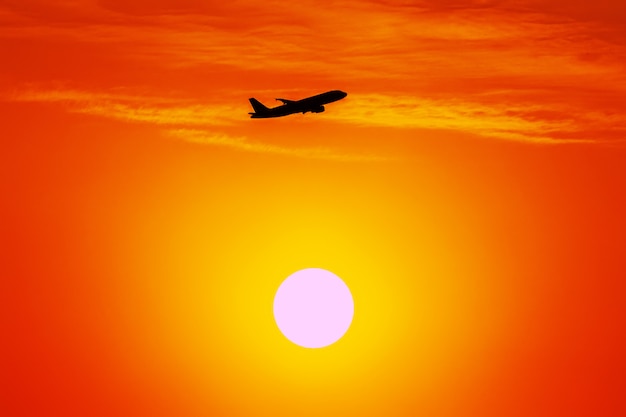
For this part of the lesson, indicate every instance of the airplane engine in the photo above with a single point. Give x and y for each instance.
(318, 109)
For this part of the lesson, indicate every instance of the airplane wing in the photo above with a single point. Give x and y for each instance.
(285, 101)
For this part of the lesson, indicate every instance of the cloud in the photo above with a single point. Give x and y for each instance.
(179, 117)
(525, 123)
(425, 48)
(520, 70)
(243, 144)
(487, 116)
(134, 108)
(219, 115)
(380, 39)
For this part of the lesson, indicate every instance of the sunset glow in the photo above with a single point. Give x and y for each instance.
(470, 191)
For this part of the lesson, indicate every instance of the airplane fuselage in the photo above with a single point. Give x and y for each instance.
(313, 104)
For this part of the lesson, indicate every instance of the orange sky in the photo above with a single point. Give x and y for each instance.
(469, 191)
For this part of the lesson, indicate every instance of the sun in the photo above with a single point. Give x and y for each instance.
(313, 308)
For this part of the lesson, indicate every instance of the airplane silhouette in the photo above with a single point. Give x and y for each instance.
(314, 104)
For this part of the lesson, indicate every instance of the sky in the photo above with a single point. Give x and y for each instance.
(469, 190)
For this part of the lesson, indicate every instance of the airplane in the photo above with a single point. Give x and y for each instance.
(314, 104)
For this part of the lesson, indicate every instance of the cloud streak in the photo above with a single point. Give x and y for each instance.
(180, 118)
(518, 122)
(492, 118)
(243, 144)
(156, 110)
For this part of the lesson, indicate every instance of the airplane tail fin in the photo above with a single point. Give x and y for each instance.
(258, 106)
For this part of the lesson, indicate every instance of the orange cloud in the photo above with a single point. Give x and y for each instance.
(157, 110)
(502, 69)
(243, 144)
(509, 123)
(176, 113)
(518, 122)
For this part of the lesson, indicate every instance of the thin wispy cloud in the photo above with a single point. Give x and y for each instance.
(180, 118)
(518, 123)
(381, 38)
(244, 144)
(133, 108)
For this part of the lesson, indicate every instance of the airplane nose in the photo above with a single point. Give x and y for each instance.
(343, 93)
